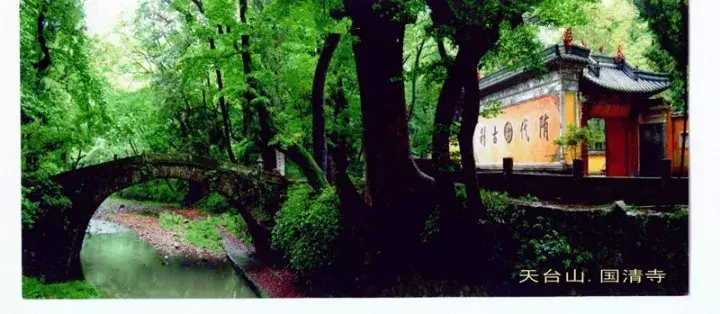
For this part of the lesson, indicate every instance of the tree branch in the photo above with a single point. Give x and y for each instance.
(296, 153)
(320, 152)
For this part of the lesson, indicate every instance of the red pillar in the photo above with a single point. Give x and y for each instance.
(633, 145)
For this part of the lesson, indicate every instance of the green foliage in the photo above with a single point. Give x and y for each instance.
(214, 203)
(530, 198)
(203, 232)
(169, 191)
(40, 194)
(172, 221)
(495, 201)
(432, 227)
(543, 246)
(33, 288)
(668, 20)
(307, 229)
(517, 48)
(572, 139)
(615, 23)
(62, 104)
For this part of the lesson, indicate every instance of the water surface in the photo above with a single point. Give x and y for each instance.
(123, 265)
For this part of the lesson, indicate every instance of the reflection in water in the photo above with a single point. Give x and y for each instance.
(124, 266)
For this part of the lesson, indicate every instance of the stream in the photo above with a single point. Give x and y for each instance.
(122, 265)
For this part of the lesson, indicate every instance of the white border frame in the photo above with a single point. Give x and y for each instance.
(704, 218)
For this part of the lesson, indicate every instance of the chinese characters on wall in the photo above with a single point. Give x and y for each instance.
(523, 131)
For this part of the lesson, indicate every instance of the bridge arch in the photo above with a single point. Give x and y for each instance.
(52, 247)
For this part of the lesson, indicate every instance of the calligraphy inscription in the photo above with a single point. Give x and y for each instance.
(543, 134)
(523, 131)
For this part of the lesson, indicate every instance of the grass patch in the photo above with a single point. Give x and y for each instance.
(33, 288)
(203, 232)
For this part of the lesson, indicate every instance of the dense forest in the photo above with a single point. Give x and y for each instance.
(350, 92)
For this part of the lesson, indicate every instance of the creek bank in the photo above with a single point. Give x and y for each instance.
(142, 219)
(270, 282)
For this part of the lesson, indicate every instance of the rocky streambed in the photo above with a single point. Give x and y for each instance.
(127, 254)
(142, 219)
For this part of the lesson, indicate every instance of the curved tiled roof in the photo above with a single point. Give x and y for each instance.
(600, 70)
(621, 76)
(550, 54)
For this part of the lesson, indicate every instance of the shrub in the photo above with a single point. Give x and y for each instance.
(172, 221)
(573, 139)
(529, 198)
(542, 244)
(33, 288)
(167, 191)
(307, 229)
(40, 194)
(495, 201)
(214, 203)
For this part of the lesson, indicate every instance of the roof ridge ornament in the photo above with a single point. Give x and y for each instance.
(567, 41)
(583, 43)
(619, 58)
(601, 50)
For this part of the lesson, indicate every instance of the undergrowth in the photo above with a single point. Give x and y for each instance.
(34, 288)
(166, 191)
(214, 203)
(203, 232)
(307, 229)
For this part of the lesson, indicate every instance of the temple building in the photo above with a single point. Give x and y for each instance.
(640, 129)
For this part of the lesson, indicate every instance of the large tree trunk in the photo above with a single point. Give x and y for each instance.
(459, 91)
(320, 152)
(353, 205)
(268, 154)
(399, 191)
(470, 113)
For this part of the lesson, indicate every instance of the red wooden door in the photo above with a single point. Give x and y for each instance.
(616, 149)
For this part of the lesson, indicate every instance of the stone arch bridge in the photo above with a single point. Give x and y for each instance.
(51, 248)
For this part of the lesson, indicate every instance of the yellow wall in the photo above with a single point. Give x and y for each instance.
(596, 163)
(569, 117)
(524, 147)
